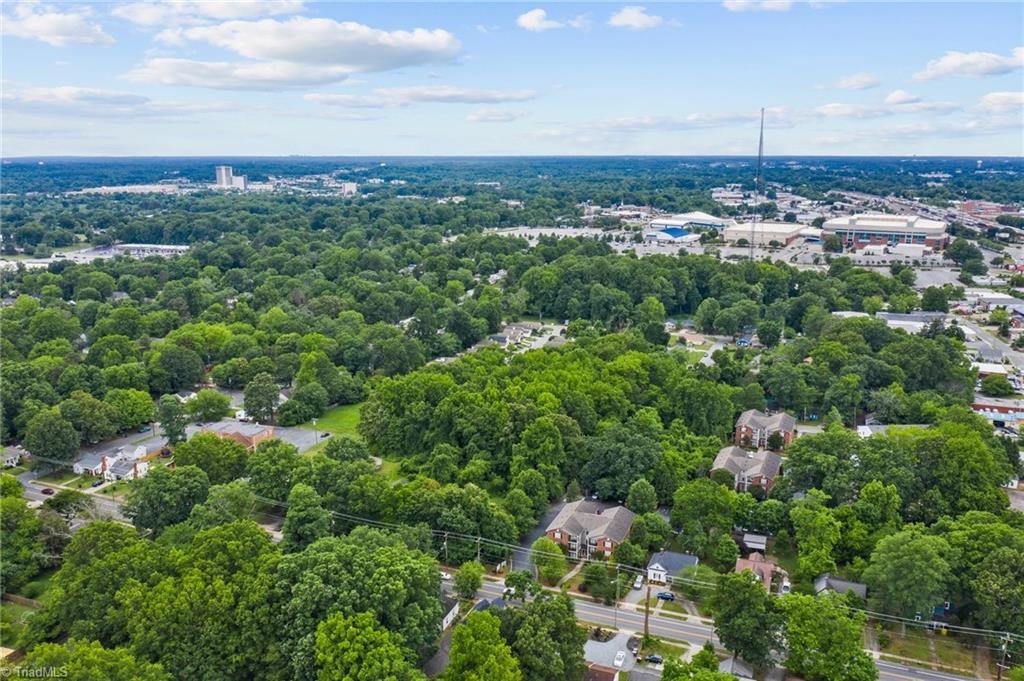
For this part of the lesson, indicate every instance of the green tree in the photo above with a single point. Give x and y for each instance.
(23, 549)
(133, 407)
(747, 619)
(306, 519)
(90, 661)
(469, 579)
(824, 639)
(909, 573)
(817, 533)
(165, 497)
(769, 332)
(934, 299)
(996, 386)
(93, 419)
(208, 405)
(545, 638)
(479, 653)
(50, 436)
(522, 584)
(224, 504)
(222, 459)
(171, 415)
(358, 648)
(642, 497)
(261, 397)
(549, 559)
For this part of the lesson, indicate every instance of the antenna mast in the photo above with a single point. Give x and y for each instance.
(757, 183)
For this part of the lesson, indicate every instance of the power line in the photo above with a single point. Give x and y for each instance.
(515, 548)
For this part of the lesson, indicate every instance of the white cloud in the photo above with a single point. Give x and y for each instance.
(757, 5)
(837, 110)
(1001, 102)
(897, 97)
(897, 102)
(324, 41)
(92, 102)
(234, 75)
(857, 81)
(189, 12)
(537, 20)
(971, 65)
(490, 115)
(634, 17)
(404, 96)
(52, 26)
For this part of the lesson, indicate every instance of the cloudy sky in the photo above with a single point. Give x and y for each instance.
(275, 77)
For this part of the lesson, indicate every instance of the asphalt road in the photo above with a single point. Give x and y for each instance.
(696, 633)
(105, 508)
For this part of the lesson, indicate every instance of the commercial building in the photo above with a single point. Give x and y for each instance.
(670, 235)
(986, 209)
(690, 220)
(862, 229)
(762, 233)
(226, 179)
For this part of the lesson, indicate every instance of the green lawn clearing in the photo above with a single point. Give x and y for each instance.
(13, 618)
(343, 420)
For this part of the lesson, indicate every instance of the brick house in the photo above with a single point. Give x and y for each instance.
(585, 527)
(749, 469)
(753, 428)
(248, 434)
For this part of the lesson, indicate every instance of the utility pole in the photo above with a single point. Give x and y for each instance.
(647, 613)
(445, 548)
(1002, 661)
(616, 604)
(478, 549)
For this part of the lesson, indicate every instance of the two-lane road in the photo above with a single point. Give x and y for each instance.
(696, 633)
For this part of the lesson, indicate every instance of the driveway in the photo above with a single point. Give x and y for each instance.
(604, 653)
(521, 559)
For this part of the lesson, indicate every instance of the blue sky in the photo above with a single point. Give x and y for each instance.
(279, 77)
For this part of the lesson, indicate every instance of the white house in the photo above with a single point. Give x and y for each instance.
(664, 566)
(12, 457)
(450, 608)
(91, 464)
(126, 469)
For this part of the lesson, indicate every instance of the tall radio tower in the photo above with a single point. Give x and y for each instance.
(757, 184)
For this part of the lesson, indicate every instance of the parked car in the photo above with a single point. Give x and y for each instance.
(144, 429)
(47, 491)
(666, 595)
(620, 658)
(96, 483)
(638, 583)
(654, 659)
(445, 575)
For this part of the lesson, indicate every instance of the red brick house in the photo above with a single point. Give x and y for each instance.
(753, 428)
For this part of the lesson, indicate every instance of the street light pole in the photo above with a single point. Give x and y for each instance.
(616, 596)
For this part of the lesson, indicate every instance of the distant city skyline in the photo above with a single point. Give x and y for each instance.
(287, 77)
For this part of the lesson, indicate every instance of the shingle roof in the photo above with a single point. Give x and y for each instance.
(827, 582)
(671, 562)
(737, 460)
(577, 516)
(226, 427)
(758, 419)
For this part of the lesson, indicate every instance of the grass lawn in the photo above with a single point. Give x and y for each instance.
(15, 470)
(342, 420)
(13, 618)
(664, 648)
(83, 482)
(914, 645)
(38, 587)
(61, 477)
(951, 651)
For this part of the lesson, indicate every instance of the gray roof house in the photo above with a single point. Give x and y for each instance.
(827, 582)
(585, 527)
(664, 566)
(749, 469)
(754, 428)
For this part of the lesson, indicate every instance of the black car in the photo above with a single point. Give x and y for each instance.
(47, 491)
(666, 595)
(654, 659)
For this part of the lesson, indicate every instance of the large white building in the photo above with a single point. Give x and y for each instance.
(763, 233)
(226, 179)
(862, 229)
(689, 221)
